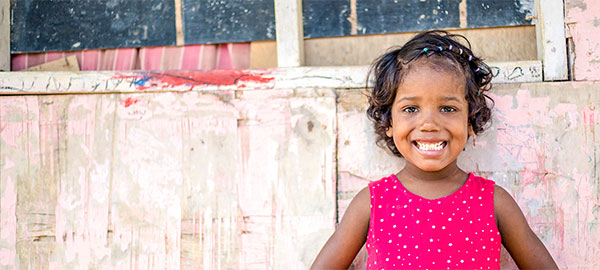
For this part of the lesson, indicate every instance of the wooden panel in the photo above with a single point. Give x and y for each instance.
(241, 80)
(65, 64)
(218, 178)
(542, 147)
(263, 54)
(493, 44)
(82, 190)
(19, 162)
(146, 184)
(290, 40)
(293, 199)
(36, 184)
(167, 180)
(552, 45)
(179, 37)
(5, 35)
(211, 223)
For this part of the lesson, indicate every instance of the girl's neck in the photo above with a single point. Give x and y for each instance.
(451, 172)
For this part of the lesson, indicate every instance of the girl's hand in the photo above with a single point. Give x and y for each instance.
(349, 236)
(524, 246)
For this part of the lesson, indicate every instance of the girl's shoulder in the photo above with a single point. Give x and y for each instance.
(480, 182)
(480, 178)
(378, 190)
(383, 182)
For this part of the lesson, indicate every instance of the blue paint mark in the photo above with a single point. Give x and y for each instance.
(142, 81)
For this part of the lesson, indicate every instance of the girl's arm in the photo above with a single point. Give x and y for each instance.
(521, 242)
(349, 236)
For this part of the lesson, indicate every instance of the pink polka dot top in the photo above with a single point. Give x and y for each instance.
(407, 231)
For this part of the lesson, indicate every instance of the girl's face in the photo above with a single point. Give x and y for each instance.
(430, 117)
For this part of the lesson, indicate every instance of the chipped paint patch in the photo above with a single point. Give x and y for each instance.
(582, 21)
(189, 79)
(129, 101)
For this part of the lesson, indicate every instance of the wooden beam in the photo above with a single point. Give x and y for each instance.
(290, 34)
(551, 41)
(179, 23)
(5, 35)
(344, 77)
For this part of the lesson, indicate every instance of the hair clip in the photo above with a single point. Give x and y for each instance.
(440, 47)
(460, 52)
(450, 48)
(424, 49)
(470, 57)
(476, 70)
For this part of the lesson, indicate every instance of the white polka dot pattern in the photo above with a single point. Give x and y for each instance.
(456, 231)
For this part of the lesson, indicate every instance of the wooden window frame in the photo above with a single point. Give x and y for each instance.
(551, 65)
(550, 36)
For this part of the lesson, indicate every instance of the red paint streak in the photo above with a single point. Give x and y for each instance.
(239, 78)
(129, 101)
(590, 116)
(559, 226)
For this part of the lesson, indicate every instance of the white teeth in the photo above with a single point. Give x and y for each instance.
(430, 147)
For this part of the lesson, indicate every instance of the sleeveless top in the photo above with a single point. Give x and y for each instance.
(407, 231)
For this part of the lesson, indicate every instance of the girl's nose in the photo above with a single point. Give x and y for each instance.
(429, 122)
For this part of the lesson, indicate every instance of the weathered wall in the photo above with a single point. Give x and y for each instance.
(583, 23)
(253, 178)
(543, 148)
(197, 180)
(251, 169)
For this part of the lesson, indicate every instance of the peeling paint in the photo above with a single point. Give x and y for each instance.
(222, 179)
(238, 78)
(580, 4)
(532, 149)
(583, 20)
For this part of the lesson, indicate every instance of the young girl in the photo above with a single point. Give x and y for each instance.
(429, 97)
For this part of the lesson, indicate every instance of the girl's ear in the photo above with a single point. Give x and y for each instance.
(471, 132)
(389, 132)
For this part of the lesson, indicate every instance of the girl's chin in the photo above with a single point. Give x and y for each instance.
(430, 167)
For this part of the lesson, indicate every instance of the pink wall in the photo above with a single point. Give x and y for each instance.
(195, 174)
(583, 24)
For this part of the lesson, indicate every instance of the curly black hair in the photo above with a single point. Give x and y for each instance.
(389, 69)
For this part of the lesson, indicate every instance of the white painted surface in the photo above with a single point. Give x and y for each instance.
(239, 80)
(290, 33)
(552, 46)
(4, 35)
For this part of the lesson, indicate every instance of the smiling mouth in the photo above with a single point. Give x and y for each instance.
(423, 146)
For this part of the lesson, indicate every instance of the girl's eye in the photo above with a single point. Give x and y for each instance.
(410, 109)
(448, 109)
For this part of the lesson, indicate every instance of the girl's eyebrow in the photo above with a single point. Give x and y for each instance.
(410, 98)
(451, 98)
